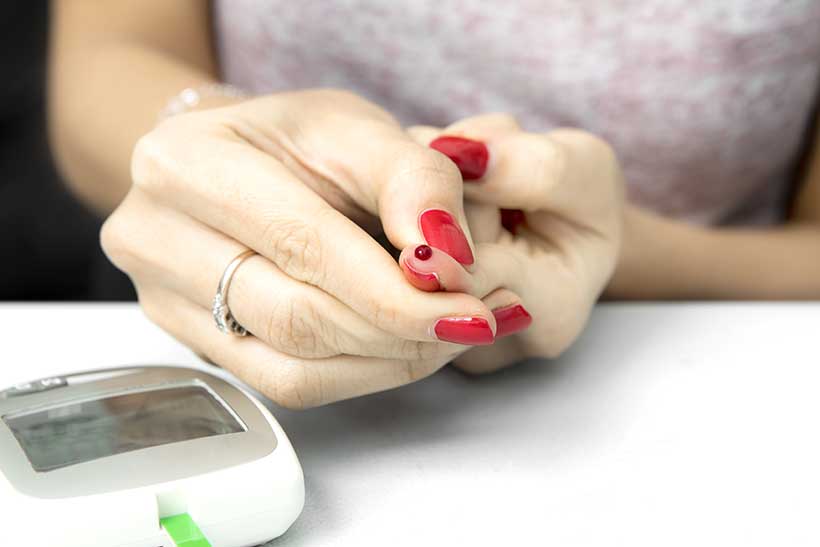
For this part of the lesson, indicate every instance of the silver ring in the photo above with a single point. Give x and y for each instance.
(225, 321)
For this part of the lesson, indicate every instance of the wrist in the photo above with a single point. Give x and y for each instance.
(202, 97)
(659, 257)
(617, 287)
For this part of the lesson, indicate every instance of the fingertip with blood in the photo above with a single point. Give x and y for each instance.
(424, 280)
(431, 269)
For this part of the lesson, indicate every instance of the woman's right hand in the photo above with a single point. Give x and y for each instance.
(560, 196)
(295, 177)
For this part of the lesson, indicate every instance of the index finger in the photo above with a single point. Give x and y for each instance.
(416, 192)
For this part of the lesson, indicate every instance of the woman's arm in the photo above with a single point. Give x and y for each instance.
(114, 65)
(665, 259)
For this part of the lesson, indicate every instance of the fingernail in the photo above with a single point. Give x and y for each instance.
(511, 319)
(470, 156)
(470, 331)
(511, 219)
(442, 232)
(421, 280)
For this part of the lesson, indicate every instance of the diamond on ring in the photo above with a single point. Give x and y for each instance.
(223, 318)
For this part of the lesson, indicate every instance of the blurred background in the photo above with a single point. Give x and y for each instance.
(48, 241)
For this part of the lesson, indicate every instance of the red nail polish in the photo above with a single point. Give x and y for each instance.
(442, 232)
(511, 219)
(470, 331)
(423, 252)
(470, 156)
(511, 319)
(421, 280)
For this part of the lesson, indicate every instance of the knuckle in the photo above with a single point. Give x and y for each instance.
(386, 316)
(295, 248)
(161, 157)
(563, 328)
(593, 145)
(604, 149)
(589, 140)
(505, 118)
(417, 350)
(116, 240)
(337, 96)
(422, 165)
(337, 103)
(295, 327)
(150, 160)
(500, 120)
(492, 123)
(595, 163)
(112, 238)
(551, 158)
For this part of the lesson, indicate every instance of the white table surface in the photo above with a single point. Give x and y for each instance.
(666, 424)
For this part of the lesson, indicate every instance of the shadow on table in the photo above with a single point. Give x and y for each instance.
(565, 401)
(452, 408)
(443, 408)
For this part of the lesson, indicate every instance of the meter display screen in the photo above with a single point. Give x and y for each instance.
(84, 431)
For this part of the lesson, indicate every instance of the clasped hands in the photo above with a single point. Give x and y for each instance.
(506, 240)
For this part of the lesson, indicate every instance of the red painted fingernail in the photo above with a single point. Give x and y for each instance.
(442, 232)
(511, 219)
(470, 331)
(423, 252)
(470, 156)
(421, 280)
(511, 319)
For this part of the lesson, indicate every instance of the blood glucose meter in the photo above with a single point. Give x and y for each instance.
(109, 456)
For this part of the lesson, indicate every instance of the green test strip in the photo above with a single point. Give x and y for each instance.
(184, 531)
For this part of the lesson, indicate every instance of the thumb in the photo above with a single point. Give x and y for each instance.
(420, 199)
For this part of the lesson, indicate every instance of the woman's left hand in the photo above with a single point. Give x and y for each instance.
(560, 198)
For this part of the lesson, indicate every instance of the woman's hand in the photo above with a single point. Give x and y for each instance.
(331, 314)
(564, 246)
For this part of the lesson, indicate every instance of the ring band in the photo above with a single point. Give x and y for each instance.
(225, 321)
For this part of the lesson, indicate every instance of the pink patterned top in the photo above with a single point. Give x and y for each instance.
(706, 101)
